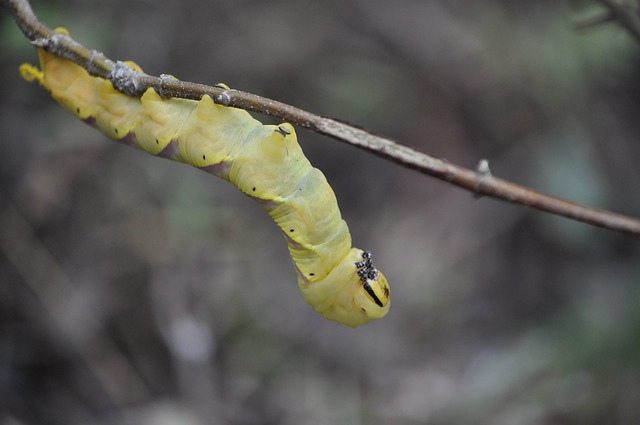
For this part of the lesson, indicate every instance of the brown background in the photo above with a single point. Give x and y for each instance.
(140, 291)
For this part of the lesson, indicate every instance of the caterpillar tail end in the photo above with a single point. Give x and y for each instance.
(31, 73)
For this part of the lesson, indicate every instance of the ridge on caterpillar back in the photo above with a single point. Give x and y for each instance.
(263, 161)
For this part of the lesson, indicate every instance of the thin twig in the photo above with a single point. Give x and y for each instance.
(626, 15)
(479, 183)
(585, 23)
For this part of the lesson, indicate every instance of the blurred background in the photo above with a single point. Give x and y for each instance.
(135, 290)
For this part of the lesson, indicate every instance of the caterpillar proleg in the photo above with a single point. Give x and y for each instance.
(263, 161)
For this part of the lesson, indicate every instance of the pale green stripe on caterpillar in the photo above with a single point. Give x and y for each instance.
(263, 161)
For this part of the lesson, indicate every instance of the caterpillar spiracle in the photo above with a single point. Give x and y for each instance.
(263, 161)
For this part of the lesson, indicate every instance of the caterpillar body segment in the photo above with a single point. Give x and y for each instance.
(263, 161)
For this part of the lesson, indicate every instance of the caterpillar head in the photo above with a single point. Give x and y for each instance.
(353, 293)
(374, 295)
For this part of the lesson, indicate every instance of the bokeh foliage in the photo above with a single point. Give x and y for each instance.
(137, 290)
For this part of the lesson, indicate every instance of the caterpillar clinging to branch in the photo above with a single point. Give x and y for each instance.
(263, 161)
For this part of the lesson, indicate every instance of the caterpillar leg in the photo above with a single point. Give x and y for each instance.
(30, 73)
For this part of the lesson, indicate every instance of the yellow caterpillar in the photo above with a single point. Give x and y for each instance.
(263, 161)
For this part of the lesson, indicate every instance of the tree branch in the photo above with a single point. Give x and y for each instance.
(624, 12)
(480, 183)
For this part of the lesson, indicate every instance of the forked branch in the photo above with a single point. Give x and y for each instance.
(480, 182)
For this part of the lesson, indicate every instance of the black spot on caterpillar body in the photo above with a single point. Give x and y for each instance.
(263, 161)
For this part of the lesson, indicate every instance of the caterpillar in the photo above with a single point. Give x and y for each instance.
(263, 161)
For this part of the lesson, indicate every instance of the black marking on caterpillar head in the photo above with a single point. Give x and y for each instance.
(367, 287)
(366, 269)
(282, 130)
(367, 273)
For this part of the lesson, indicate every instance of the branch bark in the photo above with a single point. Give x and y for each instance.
(480, 183)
